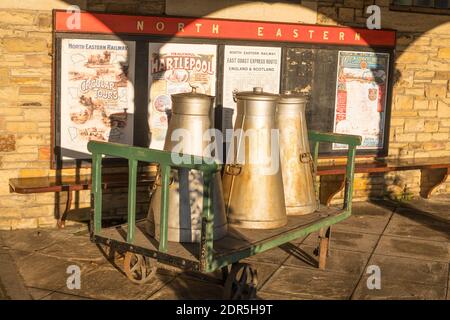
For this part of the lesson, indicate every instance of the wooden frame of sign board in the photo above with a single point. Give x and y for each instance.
(140, 134)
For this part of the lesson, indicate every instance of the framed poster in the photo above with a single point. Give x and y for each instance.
(246, 67)
(96, 94)
(176, 68)
(361, 91)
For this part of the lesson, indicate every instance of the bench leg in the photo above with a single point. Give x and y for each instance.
(62, 216)
(430, 179)
(330, 188)
(324, 246)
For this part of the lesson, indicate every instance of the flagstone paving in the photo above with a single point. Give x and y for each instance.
(409, 243)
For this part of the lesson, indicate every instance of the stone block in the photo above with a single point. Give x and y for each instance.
(7, 143)
(17, 17)
(431, 125)
(33, 90)
(21, 127)
(26, 173)
(415, 92)
(24, 223)
(431, 146)
(37, 115)
(428, 114)
(405, 137)
(412, 58)
(443, 110)
(354, 4)
(4, 76)
(44, 153)
(397, 122)
(442, 75)
(423, 137)
(404, 102)
(440, 136)
(346, 14)
(414, 125)
(25, 45)
(421, 104)
(424, 75)
(444, 53)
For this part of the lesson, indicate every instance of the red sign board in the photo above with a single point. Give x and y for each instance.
(220, 29)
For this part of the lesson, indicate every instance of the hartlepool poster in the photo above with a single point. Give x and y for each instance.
(176, 68)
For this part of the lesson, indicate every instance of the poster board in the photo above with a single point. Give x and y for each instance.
(246, 67)
(176, 68)
(96, 94)
(314, 71)
(360, 103)
(307, 61)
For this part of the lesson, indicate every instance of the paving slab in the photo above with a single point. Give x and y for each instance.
(411, 225)
(38, 294)
(272, 296)
(310, 284)
(40, 271)
(32, 240)
(11, 282)
(410, 270)
(362, 223)
(396, 290)
(276, 255)
(76, 247)
(414, 248)
(436, 208)
(339, 261)
(106, 282)
(188, 289)
(350, 241)
(64, 296)
(373, 208)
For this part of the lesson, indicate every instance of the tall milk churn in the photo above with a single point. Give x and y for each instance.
(252, 181)
(296, 159)
(187, 133)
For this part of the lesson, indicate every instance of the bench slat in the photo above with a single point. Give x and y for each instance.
(73, 183)
(387, 166)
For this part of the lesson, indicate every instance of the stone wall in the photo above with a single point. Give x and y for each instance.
(420, 121)
(420, 116)
(25, 110)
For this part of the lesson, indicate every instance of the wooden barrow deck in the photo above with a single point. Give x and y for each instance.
(239, 243)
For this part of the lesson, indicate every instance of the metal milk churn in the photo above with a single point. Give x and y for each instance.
(252, 181)
(296, 159)
(191, 116)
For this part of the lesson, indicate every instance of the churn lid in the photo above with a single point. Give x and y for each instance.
(291, 97)
(192, 103)
(257, 94)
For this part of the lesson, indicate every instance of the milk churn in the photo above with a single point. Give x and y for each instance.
(296, 160)
(191, 115)
(252, 181)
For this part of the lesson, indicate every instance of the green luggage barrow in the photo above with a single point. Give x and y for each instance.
(143, 255)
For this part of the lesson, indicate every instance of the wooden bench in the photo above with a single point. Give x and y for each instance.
(435, 169)
(71, 184)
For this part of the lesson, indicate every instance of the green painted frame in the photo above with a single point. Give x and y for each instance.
(208, 261)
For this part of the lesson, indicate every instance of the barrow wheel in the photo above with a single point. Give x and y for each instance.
(138, 268)
(241, 282)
